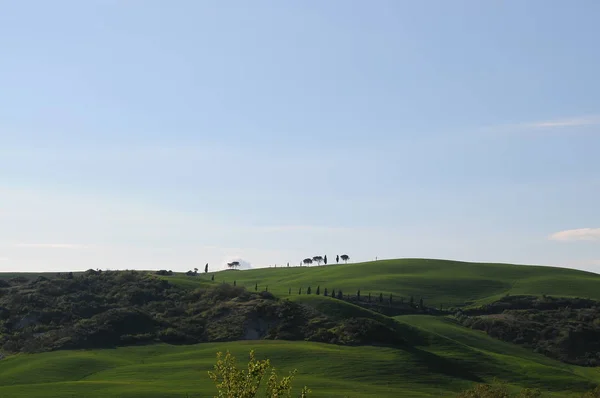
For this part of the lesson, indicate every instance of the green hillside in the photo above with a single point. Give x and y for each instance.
(450, 359)
(439, 282)
(437, 356)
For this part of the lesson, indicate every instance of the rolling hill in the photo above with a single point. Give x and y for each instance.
(439, 282)
(450, 358)
(439, 358)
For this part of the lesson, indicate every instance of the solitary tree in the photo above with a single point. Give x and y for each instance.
(234, 283)
(345, 257)
(212, 278)
(318, 290)
(325, 292)
(325, 259)
(196, 271)
(233, 264)
(288, 265)
(317, 259)
(267, 288)
(300, 291)
(308, 291)
(337, 259)
(358, 295)
(206, 268)
(340, 295)
(256, 287)
(307, 261)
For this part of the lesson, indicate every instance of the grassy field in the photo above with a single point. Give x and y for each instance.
(439, 282)
(449, 359)
(441, 357)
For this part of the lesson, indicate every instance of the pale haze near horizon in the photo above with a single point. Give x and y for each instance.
(155, 135)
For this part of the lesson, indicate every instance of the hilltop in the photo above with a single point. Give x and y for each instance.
(439, 282)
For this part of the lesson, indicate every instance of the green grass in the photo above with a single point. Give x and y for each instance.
(449, 358)
(444, 357)
(439, 282)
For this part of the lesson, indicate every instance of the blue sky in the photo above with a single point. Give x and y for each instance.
(152, 134)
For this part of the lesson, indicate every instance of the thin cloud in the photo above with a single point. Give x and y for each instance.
(51, 246)
(303, 228)
(585, 234)
(573, 122)
(546, 126)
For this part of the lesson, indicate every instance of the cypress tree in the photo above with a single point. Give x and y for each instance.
(358, 295)
(319, 289)
(333, 293)
(308, 291)
(300, 291)
(381, 297)
(421, 303)
(234, 283)
(369, 297)
(325, 259)
(390, 298)
(267, 288)
(340, 295)
(256, 287)
(325, 292)
(212, 278)
(290, 292)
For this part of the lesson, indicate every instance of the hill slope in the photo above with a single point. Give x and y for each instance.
(439, 282)
(449, 359)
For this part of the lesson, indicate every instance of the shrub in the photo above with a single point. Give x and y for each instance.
(232, 382)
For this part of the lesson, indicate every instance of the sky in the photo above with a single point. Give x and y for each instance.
(166, 135)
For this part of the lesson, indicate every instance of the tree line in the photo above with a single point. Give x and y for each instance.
(323, 259)
(236, 264)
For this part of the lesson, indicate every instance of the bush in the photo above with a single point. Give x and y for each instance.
(232, 382)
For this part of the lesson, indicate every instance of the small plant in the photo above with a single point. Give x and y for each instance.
(232, 382)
